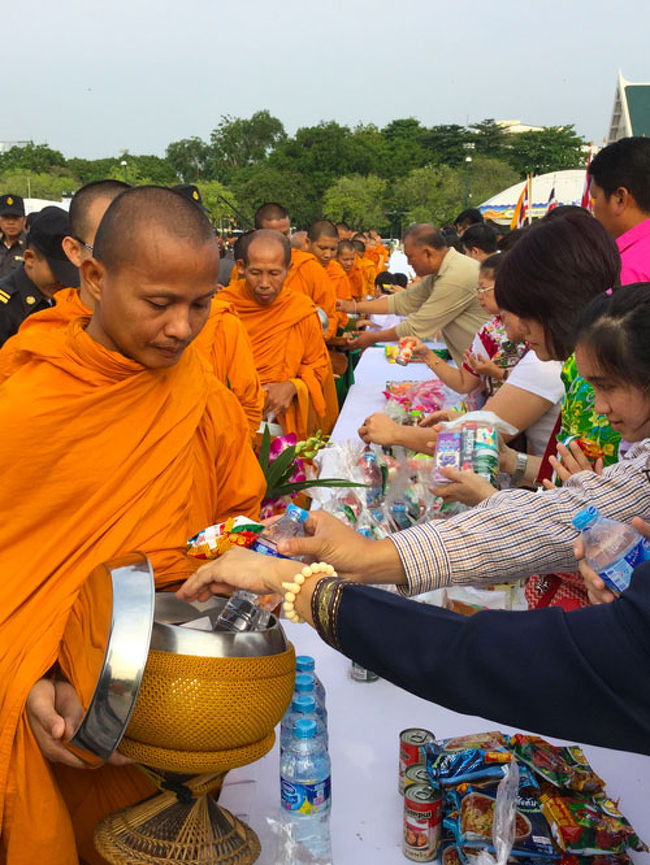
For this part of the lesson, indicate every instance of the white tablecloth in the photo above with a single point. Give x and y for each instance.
(365, 396)
(365, 720)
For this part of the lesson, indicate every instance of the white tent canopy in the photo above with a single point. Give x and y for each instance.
(33, 205)
(569, 185)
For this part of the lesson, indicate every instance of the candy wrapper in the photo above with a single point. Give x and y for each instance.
(481, 757)
(586, 825)
(219, 538)
(561, 766)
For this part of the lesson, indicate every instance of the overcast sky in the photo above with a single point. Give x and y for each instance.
(99, 77)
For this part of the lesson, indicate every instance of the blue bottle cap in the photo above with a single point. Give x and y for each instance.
(304, 729)
(584, 518)
(295, 511)
(304, 663)
(305, 683)
(303, 703)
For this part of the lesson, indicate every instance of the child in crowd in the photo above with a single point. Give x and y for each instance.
(492, 355)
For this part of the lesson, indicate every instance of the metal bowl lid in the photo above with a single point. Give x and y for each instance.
(112, 619)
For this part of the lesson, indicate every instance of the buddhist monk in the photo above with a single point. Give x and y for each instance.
(366, 266)
(323, 243)
(224, 339)
(344, 231)
(117, 437)
(304, 275)
(346, 257)
(299, 241)
(287, 337)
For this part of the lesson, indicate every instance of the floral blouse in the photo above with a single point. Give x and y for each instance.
(579, 418)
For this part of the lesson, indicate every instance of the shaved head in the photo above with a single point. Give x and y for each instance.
(271, 211)
(425, 234)
(322, 228)
(83, 201)
(137, 212)
(359, 246)
(299, 240)
(266, 237)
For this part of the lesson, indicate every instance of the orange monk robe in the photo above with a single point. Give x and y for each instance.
(341, 283)
(356, 276)
(223, 340)
(288, 345)
(101, 457)
(306, 275)
(227, 346)
(369, 274)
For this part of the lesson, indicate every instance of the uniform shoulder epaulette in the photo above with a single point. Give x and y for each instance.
(4, 297)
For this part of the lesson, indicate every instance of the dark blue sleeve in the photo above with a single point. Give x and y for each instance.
(583, 675)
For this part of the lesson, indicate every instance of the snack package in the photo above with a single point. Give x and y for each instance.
(476, 808)
(588, 826)
(473, 759)
(562, 766)
(447, 453)
(475, 447)
(215, 540)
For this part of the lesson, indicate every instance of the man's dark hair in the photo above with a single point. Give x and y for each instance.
(85, 197)
(344, 245)
(400, 279)
(482, 237)
(135, 211)
(561, 211)
(467, 217)
(266, 235)
(267, 212)
(493, 263)
(424, 234)
(624, 163)
(512, 237)
(359, 246)
(554, 271)
(614, 328)
(322, 228)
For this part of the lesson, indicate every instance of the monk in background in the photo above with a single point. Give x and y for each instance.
(117, 437)
(287, 337)
(223, 340)
(323, 244)
(299, 241)
(347, 258)
(366, 266)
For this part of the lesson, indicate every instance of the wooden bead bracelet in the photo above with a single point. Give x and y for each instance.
(291, 590)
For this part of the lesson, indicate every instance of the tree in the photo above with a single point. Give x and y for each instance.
(489, 138)
(445, 144)
(238, 142)
(258, 184)
(486, 177)
(221, 204)
(433, 193)
(30, 184)
(553, 149)
(32, 157)
(357, 200)
(192, 159)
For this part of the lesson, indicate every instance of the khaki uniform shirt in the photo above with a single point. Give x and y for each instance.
(446, 301)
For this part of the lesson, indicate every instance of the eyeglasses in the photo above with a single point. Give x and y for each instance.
(83, 243)
(484, 290)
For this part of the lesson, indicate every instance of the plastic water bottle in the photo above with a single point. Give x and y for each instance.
(306, 684)
(612, 549)
(305, 783)
(241, 613)
(306, 664)
(291, 525)
(302, 706)
(372, 477)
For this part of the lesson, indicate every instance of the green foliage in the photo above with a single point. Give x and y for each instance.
(191, 159)
(38, 158)
(256, 184)
(38, 185)
(486, 177)
(237, 142)
(213, 194)
(357, 200)
(446, 144)
(429, 194)
(553, 149)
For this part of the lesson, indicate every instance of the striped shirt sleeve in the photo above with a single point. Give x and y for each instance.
(516, 533)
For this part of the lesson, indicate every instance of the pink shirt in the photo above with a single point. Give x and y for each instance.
(634, 246)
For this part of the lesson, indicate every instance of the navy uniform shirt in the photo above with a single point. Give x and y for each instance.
(19, 298)
(11, 257)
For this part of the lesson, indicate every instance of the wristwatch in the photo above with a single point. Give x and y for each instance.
(520, 468)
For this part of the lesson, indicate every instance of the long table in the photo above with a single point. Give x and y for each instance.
(365, 720)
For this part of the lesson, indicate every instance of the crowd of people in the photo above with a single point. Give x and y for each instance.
(139, 365)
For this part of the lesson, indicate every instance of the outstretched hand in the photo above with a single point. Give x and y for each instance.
(572, 460)
(597, 590)
(239, 568)
(466, 487)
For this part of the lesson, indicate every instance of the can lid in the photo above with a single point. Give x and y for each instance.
(295, 511)
(305, 682)
(584, 518)
(304, 728)
(303, 703)
(304, 663)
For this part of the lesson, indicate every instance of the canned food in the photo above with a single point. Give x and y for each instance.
(405, 353)
(422, 817)
(416, 774)
(410, 743)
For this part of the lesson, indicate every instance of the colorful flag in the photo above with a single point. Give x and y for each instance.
(521, 210)
(586, 197)
(552, 200)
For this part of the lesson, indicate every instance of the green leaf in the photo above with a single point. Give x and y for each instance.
(265, 449)
(280, 465)
(296, 487)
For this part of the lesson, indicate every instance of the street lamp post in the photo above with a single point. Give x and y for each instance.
(468, 165)
(123, 163)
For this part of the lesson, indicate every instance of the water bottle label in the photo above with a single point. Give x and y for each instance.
(266, 549)
(617, 575)
(306, 798)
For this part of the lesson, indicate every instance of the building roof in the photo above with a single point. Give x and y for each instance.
(631, 112)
